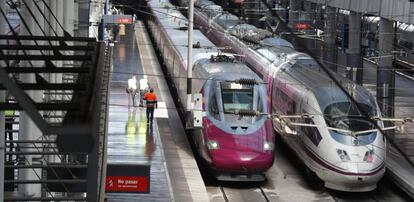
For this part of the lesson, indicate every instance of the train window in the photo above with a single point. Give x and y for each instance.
(306, 62)
(284, 102)
(359, 140)
(260, 104)
(346, 116)
(291, 108)
(236, 97)
(213, 106)
(312, 132)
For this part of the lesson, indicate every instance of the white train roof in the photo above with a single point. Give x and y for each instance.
(227, 20)
(307, 74)
(247, 30)
(212, 10)
(276, 41)
(203, 3)
(173, 23)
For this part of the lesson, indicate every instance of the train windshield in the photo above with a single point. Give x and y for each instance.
(236, 97)
(346, 116)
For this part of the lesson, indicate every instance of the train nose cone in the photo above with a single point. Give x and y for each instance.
(242, 161)
(354, 176)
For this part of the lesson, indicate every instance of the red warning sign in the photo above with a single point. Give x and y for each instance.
(127, 184)
(302, 26)
(238, 1)
(124, 20)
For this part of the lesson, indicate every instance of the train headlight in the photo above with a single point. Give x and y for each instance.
(369, 156)
(213, 145)
(268, 146)
(343, 155)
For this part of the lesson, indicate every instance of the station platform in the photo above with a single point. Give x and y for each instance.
(399, 169)
(174, 175)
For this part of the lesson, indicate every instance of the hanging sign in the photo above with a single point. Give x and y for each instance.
(302, 26)
(118, 19)
(239, 1)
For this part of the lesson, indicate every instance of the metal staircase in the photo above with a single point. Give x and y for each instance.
(70, 155)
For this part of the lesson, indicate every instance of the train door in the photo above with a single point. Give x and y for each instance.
(275, 106)
(302, 130)
(293, 109)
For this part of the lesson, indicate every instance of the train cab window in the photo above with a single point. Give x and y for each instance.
(261, 99)
(260, 104)
(346, 116)
(236, 97)
(213, 107)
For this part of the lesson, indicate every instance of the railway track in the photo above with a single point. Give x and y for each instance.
(286, 181)
(250, 193)
(259, 193)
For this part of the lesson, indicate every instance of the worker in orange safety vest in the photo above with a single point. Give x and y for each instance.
(151, 101)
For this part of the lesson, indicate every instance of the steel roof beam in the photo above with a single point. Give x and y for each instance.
(47, 70)
(46, 47)
(46, 57)
(47, 38)
(43, 106)
(36, 86)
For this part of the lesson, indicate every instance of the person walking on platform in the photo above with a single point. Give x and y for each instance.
(143, 88)
(9, 119)
(151, 100)
(132, 91)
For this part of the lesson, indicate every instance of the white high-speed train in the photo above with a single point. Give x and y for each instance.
(314, 116)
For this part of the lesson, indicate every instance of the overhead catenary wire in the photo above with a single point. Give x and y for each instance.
(173, 16)
(361, 57)
(183, 18)
(380, 52)
(202, 27)
(406, 49)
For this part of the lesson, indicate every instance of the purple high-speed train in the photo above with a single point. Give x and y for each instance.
(235, 147)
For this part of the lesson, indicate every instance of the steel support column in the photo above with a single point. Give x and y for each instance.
(385, 72)
(285, 13)
(68, 15)
(83, 18)
(308, 16)
(190, 55)
(330, 50)
(27, 128)
(57, 11)
(294, 12)
(354, 56)
(2, 145)
(2, 118)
